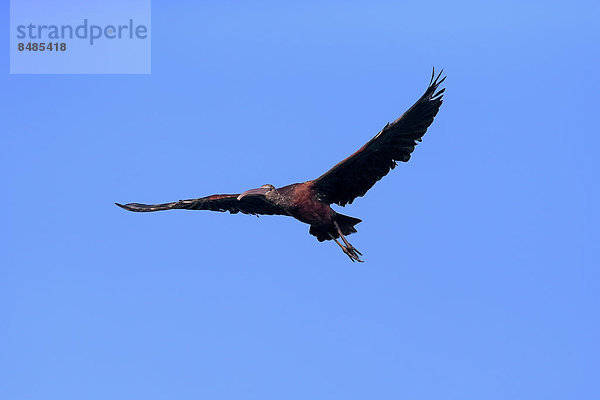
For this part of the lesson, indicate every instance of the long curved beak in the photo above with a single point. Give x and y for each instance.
(259, 191)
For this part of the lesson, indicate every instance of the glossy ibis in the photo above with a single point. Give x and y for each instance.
(310, 201)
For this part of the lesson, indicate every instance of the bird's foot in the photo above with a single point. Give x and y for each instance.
(348, 249)
(354, 249)
(352, 253)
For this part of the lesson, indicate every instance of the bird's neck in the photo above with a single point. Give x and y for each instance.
(276, 198)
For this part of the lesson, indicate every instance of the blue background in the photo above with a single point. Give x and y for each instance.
(481, 273)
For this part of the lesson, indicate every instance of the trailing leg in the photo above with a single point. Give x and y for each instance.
(348, 245)
(351, 253)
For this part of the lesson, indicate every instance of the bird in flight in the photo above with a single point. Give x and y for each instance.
(310, 202)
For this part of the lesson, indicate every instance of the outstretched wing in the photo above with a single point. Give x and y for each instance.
(354, 176)
(218, 202)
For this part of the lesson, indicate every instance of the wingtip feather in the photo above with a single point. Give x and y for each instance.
(124, 206)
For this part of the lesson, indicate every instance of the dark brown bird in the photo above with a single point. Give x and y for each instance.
(310, 201)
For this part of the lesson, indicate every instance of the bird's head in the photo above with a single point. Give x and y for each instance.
(267, 191)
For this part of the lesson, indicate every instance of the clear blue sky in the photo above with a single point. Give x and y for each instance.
(481, 278)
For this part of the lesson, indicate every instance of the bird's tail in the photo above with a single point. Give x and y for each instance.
(345, 223)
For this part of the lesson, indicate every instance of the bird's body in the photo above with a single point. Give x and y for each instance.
(310, 202)
(301, 201)
(303, 204)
